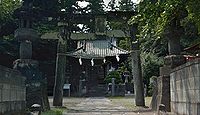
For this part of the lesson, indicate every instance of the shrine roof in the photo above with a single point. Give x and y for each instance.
(195, 47)
(97, 49)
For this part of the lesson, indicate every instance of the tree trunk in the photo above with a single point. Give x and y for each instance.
(60, 74)
(136, 69)
(138, 80)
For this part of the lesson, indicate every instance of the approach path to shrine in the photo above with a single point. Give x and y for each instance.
(102, 106)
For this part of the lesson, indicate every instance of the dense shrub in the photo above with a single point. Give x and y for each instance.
(150, 67)
(113, 74)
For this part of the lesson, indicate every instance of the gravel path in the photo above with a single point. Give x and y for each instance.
(97, 106)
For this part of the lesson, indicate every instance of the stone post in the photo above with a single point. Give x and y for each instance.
(153, 104)
(80, 88)
(113, 87)
(136, 68)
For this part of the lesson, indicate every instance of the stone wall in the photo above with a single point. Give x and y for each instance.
(12, 92)
(185, 89)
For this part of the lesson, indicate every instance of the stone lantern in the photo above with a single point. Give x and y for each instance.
(35, 83)
(24, 34)
(173, 34)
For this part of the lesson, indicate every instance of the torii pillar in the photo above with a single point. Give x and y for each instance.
(60, 64)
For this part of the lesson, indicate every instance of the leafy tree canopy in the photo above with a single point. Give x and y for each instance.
(7, 7)
(154, 17)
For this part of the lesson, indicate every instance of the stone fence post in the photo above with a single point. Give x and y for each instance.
(113, 87)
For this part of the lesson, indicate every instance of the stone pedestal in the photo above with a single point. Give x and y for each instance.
(35, 83)
(163, 81)
(174, 60)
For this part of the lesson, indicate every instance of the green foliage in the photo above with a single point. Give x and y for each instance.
(150, 66)
(194, 11)
(50, 6)
(42, 27)
(123, 5)
(191, 33)
(53, 112)
(125, 66)
(8, 46)
(71, 7)
(125, 44)
(154, 17)
(7, 8)
(96, 6)
(158, 14)
(126, 5)
(7, 22)
(113, 74)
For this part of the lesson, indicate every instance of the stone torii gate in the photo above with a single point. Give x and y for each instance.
(99, 20)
